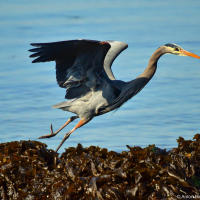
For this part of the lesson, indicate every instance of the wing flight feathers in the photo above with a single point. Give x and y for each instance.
(81, 65)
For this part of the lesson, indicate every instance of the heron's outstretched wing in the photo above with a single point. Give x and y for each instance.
(81, 65)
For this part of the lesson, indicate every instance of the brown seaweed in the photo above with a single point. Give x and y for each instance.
(30, 171)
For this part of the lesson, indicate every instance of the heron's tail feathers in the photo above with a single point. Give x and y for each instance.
(63, 105)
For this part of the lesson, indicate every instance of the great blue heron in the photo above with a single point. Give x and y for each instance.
(83, 68)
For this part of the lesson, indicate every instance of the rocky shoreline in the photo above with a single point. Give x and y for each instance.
(30, 171)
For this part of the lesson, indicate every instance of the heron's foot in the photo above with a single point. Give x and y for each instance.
(80, 123)
(52, 134)
(64, 139)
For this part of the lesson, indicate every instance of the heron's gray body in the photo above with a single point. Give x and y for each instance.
(91, 103)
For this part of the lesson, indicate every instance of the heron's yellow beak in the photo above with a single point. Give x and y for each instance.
(187, 53)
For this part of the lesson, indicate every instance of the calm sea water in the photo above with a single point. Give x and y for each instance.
(168, 107)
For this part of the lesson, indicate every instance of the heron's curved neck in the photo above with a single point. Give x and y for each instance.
(152, 65)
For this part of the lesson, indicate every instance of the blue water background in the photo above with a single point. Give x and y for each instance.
(168, 107)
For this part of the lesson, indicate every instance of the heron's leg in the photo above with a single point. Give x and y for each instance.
(52, 134)
(80, 123)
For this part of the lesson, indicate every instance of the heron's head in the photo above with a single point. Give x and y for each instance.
(177, 50)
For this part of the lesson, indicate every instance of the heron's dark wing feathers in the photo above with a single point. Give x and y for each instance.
(79, 63)
(76, 92)
(60, 50)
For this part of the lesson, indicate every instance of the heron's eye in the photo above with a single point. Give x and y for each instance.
(176, 49)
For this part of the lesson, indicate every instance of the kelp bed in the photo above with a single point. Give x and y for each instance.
(30, 171)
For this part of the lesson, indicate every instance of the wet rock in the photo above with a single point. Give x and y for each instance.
(30, 171)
